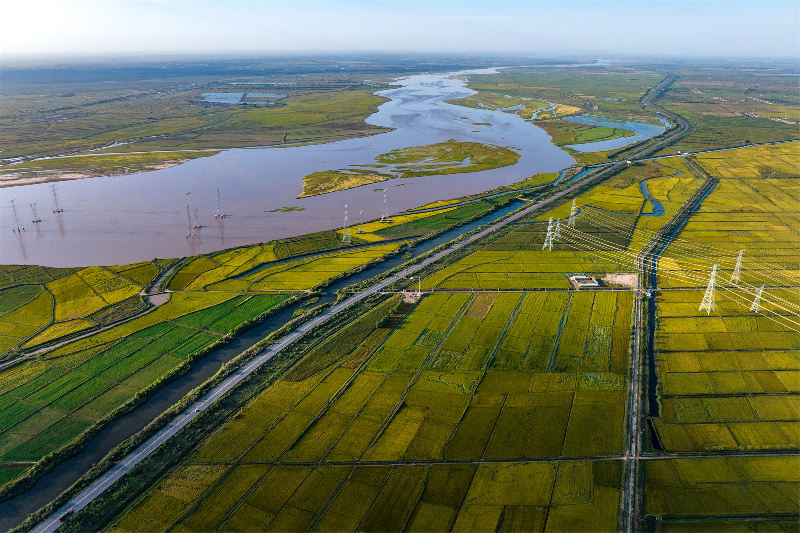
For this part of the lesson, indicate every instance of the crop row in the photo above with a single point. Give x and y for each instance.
(47, 403)
(564, 496)
(722, 486)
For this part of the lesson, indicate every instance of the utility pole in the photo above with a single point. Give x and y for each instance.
(385, 215)
(219, 214)
(361, 222)
(190, 234)
(17, 224)
(708, 298)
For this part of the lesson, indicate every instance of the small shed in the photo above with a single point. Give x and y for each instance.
(583, 281)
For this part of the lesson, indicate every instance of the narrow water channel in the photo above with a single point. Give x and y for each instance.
(652, 378)
(15, 510)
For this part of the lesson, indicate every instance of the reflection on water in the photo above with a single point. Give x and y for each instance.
(123, 219)
(641, 131)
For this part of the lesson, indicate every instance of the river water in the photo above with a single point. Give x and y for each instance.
(641, 131)
(124, 219)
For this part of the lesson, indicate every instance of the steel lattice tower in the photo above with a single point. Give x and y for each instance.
(56, 204)
(219, 214)
(756, 307)
(36, 218)
(14, 213)
(708, 298)
(346, 238)
(572, 214)
(557, 230)
(385, 215)
(548, 239)
(190, 234)
(361, 222)
(737, 269)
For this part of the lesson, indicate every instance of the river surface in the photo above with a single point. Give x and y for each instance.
(136, 217)
(641, 132)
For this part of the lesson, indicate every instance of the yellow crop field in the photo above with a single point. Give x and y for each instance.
(754, 161)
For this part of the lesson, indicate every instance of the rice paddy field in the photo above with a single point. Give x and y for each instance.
(39, 309)
(515, 259)
(729, 379)
(430, 421)
(49, 400)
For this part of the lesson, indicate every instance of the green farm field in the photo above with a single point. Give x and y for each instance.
(450, 380)
(732, 107)
(48, 401)
(38, 311)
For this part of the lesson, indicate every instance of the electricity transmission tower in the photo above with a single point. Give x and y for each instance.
(190, 234)
(548, 239)
(708, 298)
(196, 223)
(346, 231)
(17, 224)
(36, 218)
(557, 230)
(385, 215)
(361, 222)
(737, 269)
(56, 204)
(219, 214)
(756, 307)
(572, 214)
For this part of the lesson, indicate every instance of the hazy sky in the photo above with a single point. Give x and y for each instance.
(644, 27)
